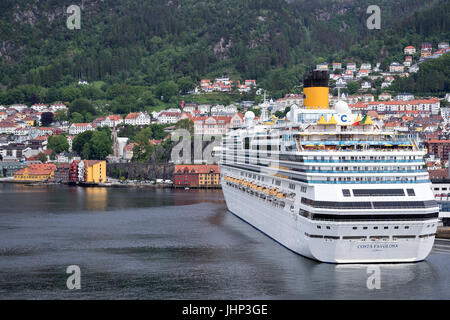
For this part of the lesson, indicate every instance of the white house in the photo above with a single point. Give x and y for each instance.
(169, 117)
(112, 120)
(351, 66)
(138, 119)
(445, 112)
(348, 74)
(366, 85)
(39, 107)
(341, 83)
(385, 96)
(443, 45)
(410, 50)
(404, 97)
(322, 66)
(7, 128)
(396, 67)
(18, 107)
(414, 68)
(204, 108)
(58, 106)
(77, 128)
(337, 65)
(366, 66)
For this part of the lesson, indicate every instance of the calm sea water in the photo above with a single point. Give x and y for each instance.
(165, 244)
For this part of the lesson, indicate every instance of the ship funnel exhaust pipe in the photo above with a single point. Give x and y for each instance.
(316, 91)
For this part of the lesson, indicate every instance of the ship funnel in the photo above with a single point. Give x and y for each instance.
(315, 89)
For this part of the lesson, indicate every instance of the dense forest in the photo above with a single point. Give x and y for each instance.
(433, 79)
(148, 53)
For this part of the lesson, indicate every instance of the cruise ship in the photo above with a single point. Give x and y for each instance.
(329, 184)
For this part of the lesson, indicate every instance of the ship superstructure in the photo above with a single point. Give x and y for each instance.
(331, 185)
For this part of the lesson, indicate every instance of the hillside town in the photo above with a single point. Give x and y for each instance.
(25, 130)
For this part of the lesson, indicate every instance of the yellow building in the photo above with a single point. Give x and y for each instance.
(208, 175)
(29, 122)
(36, 172)
(95, 171)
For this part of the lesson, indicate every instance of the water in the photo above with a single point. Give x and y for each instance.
(165, 244)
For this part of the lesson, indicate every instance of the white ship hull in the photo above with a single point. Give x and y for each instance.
(292, 231)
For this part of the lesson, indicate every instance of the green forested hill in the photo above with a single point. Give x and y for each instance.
(150, 46)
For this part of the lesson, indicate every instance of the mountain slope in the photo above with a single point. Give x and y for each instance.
(143, 43)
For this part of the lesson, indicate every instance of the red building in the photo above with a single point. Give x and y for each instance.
(186, 175)
(73, 174)
(440, 148)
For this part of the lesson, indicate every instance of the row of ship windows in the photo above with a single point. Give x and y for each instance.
(377, 192)
(363, 238)
(442, 189)
(376, 227)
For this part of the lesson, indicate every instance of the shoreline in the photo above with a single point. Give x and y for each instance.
(108, 185)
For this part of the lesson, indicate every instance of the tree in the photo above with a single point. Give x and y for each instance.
(352, 87)
(147, 99)
(142, 151)
(60, 115)
(167, 90)
(80, 140)
(100, 145)
(81, 106)
(76, 117)
(158, 132)
(185, 84)
(46, 118)
(70, 94)
(58, 143)
(42, 157)
(282, 114)
(186, 124)
(93, 145)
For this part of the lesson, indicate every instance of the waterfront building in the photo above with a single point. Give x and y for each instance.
(186, 175)
(95, 171)
(88, 171)
(62, 173)
(209, 175)
(197, 175)
(36, 172)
